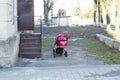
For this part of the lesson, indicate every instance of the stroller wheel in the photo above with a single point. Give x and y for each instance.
(66, 54)
(54, 53)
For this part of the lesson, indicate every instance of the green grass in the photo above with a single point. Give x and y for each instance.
(95, 47)
(102, 52)
(47, 43)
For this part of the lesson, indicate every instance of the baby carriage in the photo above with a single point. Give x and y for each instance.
(60, 45)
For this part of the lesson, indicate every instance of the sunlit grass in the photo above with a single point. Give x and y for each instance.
(102, 52)
(115, 34)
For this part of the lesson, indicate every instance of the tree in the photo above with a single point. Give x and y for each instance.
(48, 4)
(104, 11)
(77, 9)
(95, 11)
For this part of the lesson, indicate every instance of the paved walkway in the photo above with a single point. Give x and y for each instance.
(98, 72)
(79, 65)
(76, 56)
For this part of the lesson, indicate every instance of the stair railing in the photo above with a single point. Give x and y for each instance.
(38, 27)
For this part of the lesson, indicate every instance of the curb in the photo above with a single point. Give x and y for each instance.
(109, 41)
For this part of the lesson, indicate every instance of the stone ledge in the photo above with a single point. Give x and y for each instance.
(9, 51)
(112, 43)
(5, 62)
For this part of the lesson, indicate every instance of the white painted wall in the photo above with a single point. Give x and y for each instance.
(9, 36)
(8, 25)
(62, 4)
(69, 5)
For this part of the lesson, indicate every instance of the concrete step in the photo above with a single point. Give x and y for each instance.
(30, 44)
(30, 48)
(30, 55)
(30, 35)
(30, 41)
(34, 46)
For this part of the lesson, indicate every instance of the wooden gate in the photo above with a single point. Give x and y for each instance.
(25, 14)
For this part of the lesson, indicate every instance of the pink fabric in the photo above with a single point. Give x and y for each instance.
(68, 36)
(61, 40)
(61, 37)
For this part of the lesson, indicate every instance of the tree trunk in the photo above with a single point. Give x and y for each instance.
(94, 16)
(99, 16)
(95, 11)
(108, 18)
(45, 13)
(104, 13)
(46, 18)
(117, 16)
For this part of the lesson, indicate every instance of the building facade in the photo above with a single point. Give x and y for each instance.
(73, 12)
(9, 36)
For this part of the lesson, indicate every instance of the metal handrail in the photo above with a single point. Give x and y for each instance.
(40, 30)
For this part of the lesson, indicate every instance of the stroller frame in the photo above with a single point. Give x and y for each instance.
(57, 51)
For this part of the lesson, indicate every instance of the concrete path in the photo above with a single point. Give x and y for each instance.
(79, 65)
(97, 72)
(76, 56)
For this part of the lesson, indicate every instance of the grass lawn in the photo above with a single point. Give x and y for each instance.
(47, 43)
(91, 44)
(102, 52)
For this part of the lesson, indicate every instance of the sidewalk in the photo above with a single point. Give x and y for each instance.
(76, 56)
(98, 72)
(79, 65)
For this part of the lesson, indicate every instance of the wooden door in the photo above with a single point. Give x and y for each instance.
(25, 14)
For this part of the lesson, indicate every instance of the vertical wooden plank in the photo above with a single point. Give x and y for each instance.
(25, 15)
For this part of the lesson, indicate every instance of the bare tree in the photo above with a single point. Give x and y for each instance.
(97, 11)
(48, 4)
(104, 11)
(117, 15)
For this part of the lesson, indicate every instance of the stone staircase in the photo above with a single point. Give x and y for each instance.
(30, 45)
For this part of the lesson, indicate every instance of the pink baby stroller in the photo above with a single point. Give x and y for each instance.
(60, 44)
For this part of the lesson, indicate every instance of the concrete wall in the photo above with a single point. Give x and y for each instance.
(9, 37)
(62, 21)
(112, 43)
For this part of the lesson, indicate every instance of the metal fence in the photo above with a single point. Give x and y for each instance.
(37, 24)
